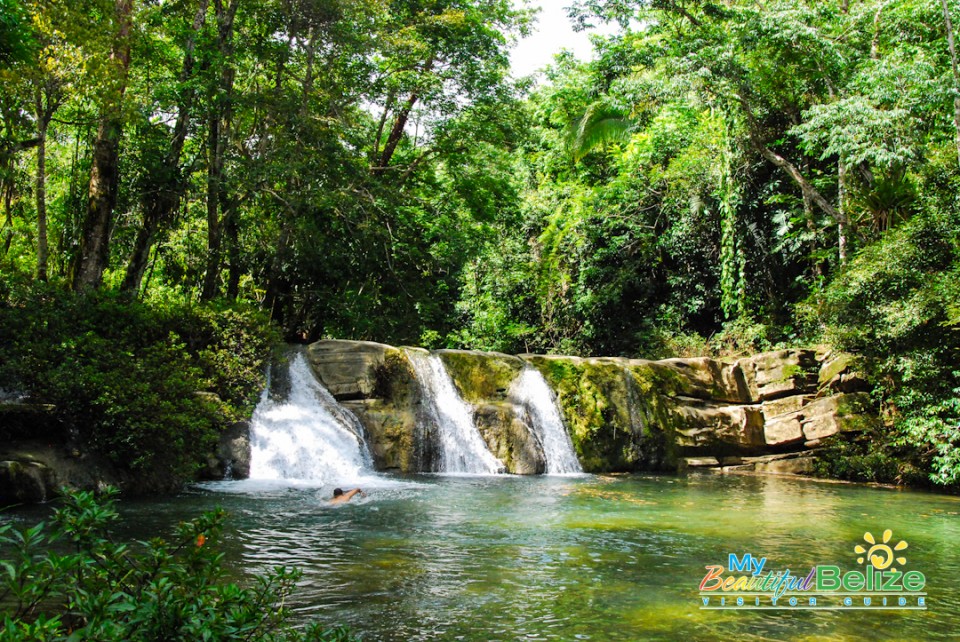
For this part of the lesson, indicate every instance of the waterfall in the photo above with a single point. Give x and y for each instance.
(531, 393)
(462, 449)
(305, 434)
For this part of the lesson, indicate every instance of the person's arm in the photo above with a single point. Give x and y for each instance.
(350, 493)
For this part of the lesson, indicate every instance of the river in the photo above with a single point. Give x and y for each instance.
(576, 558)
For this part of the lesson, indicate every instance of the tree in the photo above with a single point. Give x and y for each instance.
(16, 37)
(165, 184)
(104, 173)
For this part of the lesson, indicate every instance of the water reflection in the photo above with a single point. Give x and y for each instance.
(592, 558)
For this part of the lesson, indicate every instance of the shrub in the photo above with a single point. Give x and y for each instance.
(128, 379)
(109, 591)
(896, 305)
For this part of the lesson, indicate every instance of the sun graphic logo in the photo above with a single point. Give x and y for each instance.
(881, 554)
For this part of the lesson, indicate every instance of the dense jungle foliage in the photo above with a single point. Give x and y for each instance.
(724, 176)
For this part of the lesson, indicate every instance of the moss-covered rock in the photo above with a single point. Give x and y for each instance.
(25, 482)
(835, 414)
(509, 438)
(396, 432)
(622, 415)
(771, 375)
(839, 374)
(702, 378)
(377, 383)
(609, 418)
(481, 377)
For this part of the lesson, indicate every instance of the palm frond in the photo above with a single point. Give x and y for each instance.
(602, 123)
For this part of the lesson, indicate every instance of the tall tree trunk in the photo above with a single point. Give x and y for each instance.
(231, 231)
(47, 99)
(843, 220)
(167, 186)
(956, 73)
(214, 181)
(399, 124)
(104, 172)
(218, 132)
(7, 215)
(42, 199)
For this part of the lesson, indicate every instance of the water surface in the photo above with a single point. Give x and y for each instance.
(573, 558)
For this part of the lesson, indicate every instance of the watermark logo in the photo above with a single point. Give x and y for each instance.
(880, 556)
(883, 583)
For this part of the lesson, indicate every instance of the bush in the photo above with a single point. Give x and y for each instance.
(896, 305)
(129, 379)
(109, 591)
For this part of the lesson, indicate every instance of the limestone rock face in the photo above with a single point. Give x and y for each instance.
(767, 412)
(481, 377)
(509, 438)
(838, 413)
(704, 378)
(348, 369)
(772, 375)
(377, 383)
(622, 414)
(613, 421)
(719, 428)
(394, 434)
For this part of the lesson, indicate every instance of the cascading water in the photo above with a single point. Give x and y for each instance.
(306, 434)
(462, 449)
(530, 392)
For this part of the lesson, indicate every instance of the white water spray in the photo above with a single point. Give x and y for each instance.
(462, 449)
(307, 436)
(530, 392)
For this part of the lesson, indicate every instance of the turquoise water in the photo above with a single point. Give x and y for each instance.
(578, 558)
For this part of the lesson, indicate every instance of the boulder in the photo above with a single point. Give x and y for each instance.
(348, 369)
(781, 425)
(838, 374)
(704, 378)
(26, 482)
(783, 430)
(772, 375)
(233, 452)
(709, 426)
(509, 438)
(838, 413)
(481, 377)
(775, 408)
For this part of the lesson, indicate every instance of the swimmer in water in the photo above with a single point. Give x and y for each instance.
(341, 496)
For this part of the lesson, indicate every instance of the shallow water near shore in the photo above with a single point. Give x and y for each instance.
(572, 558)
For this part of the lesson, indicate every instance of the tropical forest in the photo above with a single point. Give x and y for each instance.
(574, 336)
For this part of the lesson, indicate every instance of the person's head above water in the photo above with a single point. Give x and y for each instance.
(341, 496)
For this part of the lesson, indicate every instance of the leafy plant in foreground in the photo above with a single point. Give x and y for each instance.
(95, 588)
